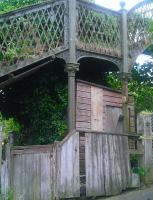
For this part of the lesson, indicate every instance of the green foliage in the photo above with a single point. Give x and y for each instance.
(39, 104)
(140, 170)
(9, 5)
(7, 196)
(141, 86)
(134, 158)
(41, 109)
(9, 125)
(45, 115)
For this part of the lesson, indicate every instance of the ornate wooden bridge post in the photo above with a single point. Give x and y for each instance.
(72, 66)
(125, 72)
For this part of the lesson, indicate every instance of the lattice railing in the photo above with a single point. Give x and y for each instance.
(140, 27)
(31, 34)
(98, 29)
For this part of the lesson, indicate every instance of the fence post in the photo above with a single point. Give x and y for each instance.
(1, 158)
(145, 128)
(125, 72)
(72, 66)
(148, 141)
(9, 158)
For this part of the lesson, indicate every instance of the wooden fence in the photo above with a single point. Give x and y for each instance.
(84, 164)
(144, 125)
(43, 172)
(92, 161)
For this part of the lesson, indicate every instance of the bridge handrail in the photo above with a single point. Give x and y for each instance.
(140, 28)
(98, 29)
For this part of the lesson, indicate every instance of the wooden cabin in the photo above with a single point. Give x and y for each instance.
(99, 109)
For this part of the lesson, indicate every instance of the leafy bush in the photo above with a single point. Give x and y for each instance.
(9, 5)
(140, 170)
(9, 125)
(39, 104)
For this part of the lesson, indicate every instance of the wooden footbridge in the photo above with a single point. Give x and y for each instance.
(73, 30)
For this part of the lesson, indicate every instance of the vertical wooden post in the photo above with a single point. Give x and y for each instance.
(148, 141)
(0, 158)
(10, 160)
(72, 66)
(125, 71)
(72, 31)
(125, 104)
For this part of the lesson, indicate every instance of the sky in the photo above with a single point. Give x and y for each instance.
(115, 5)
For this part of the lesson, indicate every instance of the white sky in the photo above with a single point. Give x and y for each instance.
(115, 4)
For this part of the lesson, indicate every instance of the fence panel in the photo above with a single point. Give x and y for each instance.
(107, 164)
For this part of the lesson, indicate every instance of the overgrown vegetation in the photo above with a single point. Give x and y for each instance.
(39, 104)
(7, 196)
(9, 5)
(140, 86)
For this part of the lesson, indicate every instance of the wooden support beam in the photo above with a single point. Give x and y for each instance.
(71, 69)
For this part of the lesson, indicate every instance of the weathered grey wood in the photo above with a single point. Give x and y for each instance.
(6, 171)
(96, 109)
(103, 107)
(68, 166)
(84, 94)
(113, 123)
(50, 171)
(83, 106)
(107, 164)
(94, 165)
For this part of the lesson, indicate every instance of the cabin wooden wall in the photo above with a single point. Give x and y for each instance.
(98, 108)
(106, 153)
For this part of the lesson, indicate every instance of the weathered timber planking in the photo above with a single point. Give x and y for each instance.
(94, 105)
(112, 121)
(108, 93)
(82, 166)
(83, 113)
(84, 94)
(113, 99)
(107, 103)
(6, 171)
(84, 118)
(94, 166)
(84, 100)
(31, 176)
(83, 106)
(83, 87)
(96, 109)
(68, 166)
(50, 174)
(99, 86)
(83, 125)
(107, 166)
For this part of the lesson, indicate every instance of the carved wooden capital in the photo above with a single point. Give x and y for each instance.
(125, 76)
(72, 68)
